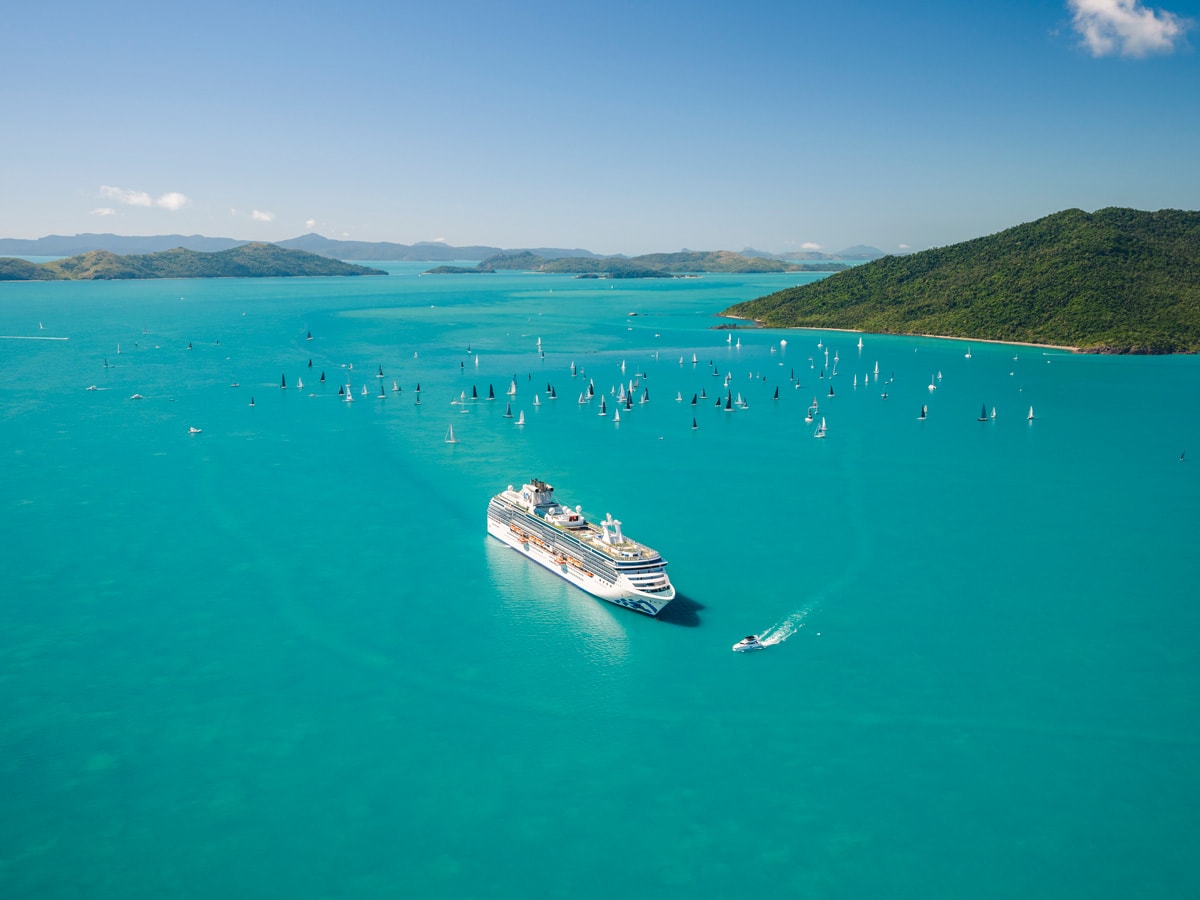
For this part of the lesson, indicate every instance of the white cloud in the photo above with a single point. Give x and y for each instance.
(1126, 27)
(104, 211)
(121, 195)
(310, 224)
(810, 245)
(903, 247)
(259, 216)
(172, 201)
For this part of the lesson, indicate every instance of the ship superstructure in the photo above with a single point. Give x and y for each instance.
(597, 557)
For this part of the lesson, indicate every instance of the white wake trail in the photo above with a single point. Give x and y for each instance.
(781, 631)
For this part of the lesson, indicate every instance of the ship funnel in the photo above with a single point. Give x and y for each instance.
(617, 528)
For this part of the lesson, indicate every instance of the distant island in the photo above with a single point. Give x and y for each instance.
(422, 251)
(651, 265)
(1113, 281)
(246, 261)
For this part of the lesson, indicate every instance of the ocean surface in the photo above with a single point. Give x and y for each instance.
(282, 657)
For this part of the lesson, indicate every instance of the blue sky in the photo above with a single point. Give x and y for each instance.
(619, 127)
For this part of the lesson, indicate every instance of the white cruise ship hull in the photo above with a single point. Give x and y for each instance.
(622, 592)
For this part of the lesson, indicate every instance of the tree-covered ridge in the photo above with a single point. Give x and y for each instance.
(651, 265)
(247, 261)
(1117, 280)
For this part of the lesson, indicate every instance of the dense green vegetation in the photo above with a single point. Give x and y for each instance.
(652, 265)
(13, 269)
(1117, 280)
(246, 261)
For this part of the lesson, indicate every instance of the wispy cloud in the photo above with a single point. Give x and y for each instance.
(129, 198)
(104, 211)
(810, 245)
(171, 201)
(310, 224)
(1126, 27)
(259, 216)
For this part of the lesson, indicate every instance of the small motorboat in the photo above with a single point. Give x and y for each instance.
(748, 643)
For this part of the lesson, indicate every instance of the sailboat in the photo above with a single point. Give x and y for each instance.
(364, 390)
(983, 416)
(309, 336)
(924, 412)
(310, 362)
(603, 407)
(537, 400)
(860, 343)
(993, 412)
(831, 390)
(521, 418)
(395, 386)
(380, 375)
(474, 393)
(322, 378)
(967, 355)
(820, 432)
(382, 393)
(694, 425)
(251, 401)
(776, 397)
(450, 438)
(282, 382)
(1029, 418)
(349, 394)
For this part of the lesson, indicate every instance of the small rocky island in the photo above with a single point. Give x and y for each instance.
(651, 265)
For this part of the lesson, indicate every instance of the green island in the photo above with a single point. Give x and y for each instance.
(1112, 281)
(651, 265)
(254, 260)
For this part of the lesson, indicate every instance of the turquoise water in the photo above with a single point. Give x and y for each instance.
(282, 657)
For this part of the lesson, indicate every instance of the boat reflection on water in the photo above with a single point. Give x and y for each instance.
(548, 604)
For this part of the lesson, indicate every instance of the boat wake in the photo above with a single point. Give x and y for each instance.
(781, 631)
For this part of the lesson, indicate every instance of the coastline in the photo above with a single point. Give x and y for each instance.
(944, 337)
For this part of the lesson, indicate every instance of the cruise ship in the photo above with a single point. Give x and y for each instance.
(595, 557)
